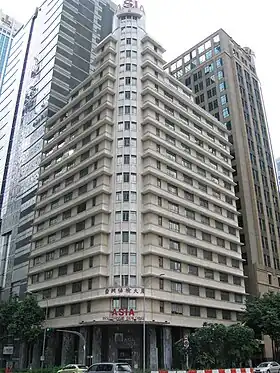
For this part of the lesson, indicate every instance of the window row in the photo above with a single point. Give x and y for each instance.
(194, 270)
(179, 246)
(64, 251)
(63, 270)
(69, 231)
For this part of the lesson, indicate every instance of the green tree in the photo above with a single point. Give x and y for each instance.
(21, 319)
(240, 345)
(263, 315)
(27, 320)
(7, 311)
(220, 346)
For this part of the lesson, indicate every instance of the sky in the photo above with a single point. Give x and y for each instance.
(180, 24)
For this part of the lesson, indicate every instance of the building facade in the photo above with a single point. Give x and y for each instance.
(136, 221)
(8, 28)
(49, 57)
(223, 77)
(277, 161)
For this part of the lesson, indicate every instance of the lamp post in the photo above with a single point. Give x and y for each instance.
(144, 324)
(45, 336)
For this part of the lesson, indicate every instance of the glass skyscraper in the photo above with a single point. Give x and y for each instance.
(8, 28)
(49, 56)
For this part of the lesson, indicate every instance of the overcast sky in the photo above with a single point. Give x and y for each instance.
(179, 24)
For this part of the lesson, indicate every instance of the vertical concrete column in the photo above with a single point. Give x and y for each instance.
(167, 347)
(67, 352)
(50, 351)
(153, 351)
(37, 351)
(23, 355)
(84, 331)
(96, 344)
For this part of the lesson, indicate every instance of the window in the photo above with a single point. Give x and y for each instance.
(222, 86)
(176, 287)
(79, 246)
(77, 287)
(192, 250)
(61, 290)
(203, 203)
(78, 266)
(65, 232)
(238, 298)
(191, 231)
(206, 237)
(193, 270)
(205, 220)
(211, 313)
(63, 251)
(80, 226)
(174, 226)
(237, 280)
(222, 259)
(226, 112)
(223, 277)
(219, 62)
(207, 255)
(224, 99)
(209, 273)
(161, 307)
(225, 296)
(195, 311)
(176, 309)
(75, 309)
(190, 214)
(175, 266)
(210, 293)
(235, 263)
(194, 290)
(220, 242)
(226, 315)
(174, 245)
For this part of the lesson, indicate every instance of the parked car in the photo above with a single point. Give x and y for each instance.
(268, 367)
(110, 367)
(73, 368)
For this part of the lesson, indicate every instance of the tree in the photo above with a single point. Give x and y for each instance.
(217, 345)
(240, 344)
(263, 315)
(21, 319)
(27, 320)
(7, 311)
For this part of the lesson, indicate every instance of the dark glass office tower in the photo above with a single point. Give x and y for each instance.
(49, 57)
(223, 77)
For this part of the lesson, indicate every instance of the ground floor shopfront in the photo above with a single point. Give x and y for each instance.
(110, 342)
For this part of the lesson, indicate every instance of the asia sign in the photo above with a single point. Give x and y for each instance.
(130, 4)
(125, 291)
(123, 314)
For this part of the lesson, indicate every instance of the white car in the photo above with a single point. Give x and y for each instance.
(268, 367)
(73, 368)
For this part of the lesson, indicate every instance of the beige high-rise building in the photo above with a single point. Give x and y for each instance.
(223, 76)
(136, 202)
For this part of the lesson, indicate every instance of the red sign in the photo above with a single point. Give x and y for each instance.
(122, 312)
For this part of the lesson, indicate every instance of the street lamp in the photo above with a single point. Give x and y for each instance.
(144, 324)
(45, 331)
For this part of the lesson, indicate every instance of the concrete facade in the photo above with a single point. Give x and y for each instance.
(135, 215)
